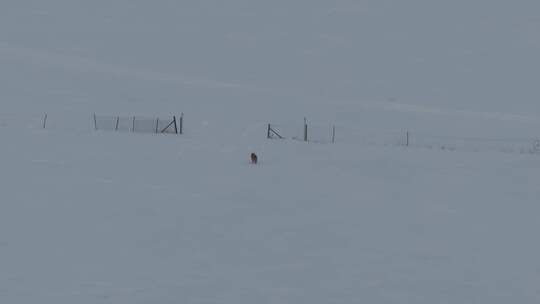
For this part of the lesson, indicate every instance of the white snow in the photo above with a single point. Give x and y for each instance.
(107, 217)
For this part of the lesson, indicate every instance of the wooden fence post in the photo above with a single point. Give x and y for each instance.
(95, 122)
(45, 121)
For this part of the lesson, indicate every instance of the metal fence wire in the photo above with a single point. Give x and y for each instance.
(439, 142)
(138, 124)
(474, 144)
(353, 135)
(317, 133)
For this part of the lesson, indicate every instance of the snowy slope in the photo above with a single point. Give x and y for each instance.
(105, 217)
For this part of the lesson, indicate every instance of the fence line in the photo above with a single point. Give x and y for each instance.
(139, 124)
(474, 144)
(331, 134)
(307, 132)
(317, 133)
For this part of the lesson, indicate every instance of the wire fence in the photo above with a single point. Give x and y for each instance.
(30, 121)
(440, 142)
(474, 144)
(321, 133)
(315, 133)
(138, 124)
(344, 134)
(308, 132)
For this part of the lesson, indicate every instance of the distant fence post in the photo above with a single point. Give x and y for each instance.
(117, 123)
(133, 125)
(95, 122)
(175, 125)
(305, 130)
(45, 121)
(182, 123)
(407, 139)
(268, 132)
(157, 125)
(334, 134)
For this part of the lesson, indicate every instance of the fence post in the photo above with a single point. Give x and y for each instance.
(305, 130)
(334, 134)
(117, 123)
(157, 125)
(407, 139)
(175, 126)
(45, 121)
(182, 123)
(268, 132)
(133, 125)
(95, 122)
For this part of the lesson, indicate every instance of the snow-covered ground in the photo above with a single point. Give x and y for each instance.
(106, 217)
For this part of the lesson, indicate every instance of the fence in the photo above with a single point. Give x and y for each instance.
(331, 134)
(315, 133)
(439, 142)
(303, 132)
(138, 124)
(32, 121)
(474, 144)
